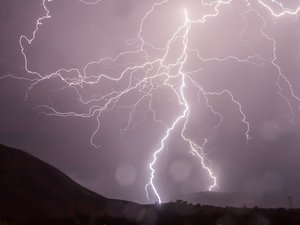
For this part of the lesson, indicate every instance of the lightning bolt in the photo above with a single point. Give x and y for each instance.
(281, 76)
(158, 73)
(283, 10)
(182, 100)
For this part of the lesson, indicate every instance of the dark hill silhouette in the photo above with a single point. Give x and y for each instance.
(32, 188)
(224, 199)
(28, 185)
(35, 193)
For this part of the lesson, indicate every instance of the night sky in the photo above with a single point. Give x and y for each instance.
(99, 86)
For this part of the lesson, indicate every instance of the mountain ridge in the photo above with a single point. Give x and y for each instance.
(31, 187)
(35, 193)
(238, 199)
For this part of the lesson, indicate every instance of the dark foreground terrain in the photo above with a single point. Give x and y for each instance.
(35, 193)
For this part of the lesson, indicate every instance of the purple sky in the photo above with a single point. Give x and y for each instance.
(241, 65)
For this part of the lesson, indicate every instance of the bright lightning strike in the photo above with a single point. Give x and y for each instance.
(283, 10)
(156, 73)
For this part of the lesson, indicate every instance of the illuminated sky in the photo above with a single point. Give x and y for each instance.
(210, 86)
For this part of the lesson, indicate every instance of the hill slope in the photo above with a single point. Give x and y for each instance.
(35, 193)
(30, 188)
(28, 185)
(224, 199)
